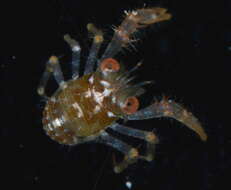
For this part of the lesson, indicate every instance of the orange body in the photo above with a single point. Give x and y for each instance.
(82, 108)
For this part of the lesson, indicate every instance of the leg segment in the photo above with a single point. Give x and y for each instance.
(52, 66)
(97, 41)
(168, 108)
(131, 154)
(75, 55)
(149, 137)
(133, 20)
(144, 135)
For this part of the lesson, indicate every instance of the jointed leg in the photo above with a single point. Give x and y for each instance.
(52, 66)
(168, 108)
(131, 154)
(97, 41)
(75, 55)
(149, 137)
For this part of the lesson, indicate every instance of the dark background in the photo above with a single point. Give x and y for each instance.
(186, 57)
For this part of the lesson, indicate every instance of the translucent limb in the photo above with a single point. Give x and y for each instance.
(97, 41)
(52, 66)
(168, 108)
(140, 134)
(75, 55)
(133, 20)
(131, 154)
(149, 137)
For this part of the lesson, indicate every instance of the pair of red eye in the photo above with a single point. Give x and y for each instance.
(131, 105)
(109, 65)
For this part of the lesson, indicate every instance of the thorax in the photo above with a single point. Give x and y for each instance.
(83, 106)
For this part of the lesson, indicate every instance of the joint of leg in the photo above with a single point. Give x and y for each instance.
(133, 153)
(53, 59)
(122, 35)
(91, 28)
(73, 43)
(166, 107)
(76, 48)
(151, 137)
(98, 39)
(40, 91)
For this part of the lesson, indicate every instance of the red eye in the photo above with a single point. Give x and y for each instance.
(109, 65)
(131, 105)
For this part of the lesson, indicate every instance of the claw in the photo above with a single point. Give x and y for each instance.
(152, 15)
(169, 108)
(176, 111)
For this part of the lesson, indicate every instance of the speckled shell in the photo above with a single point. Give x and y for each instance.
(74, 111)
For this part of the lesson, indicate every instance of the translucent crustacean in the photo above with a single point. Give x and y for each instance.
(82, 108)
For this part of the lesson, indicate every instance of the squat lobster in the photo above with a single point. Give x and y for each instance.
(83, 108)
